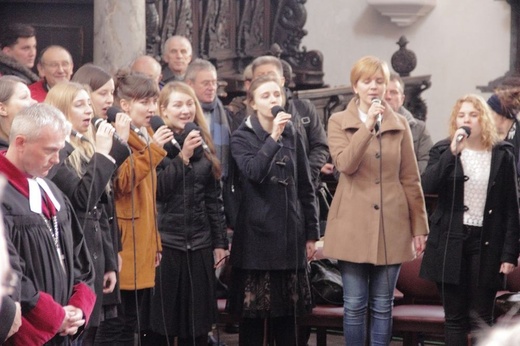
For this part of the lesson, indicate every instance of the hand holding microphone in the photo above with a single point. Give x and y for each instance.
(375, 112)
(173, 148)
(280, 122)
(112, 115)
(459, 139)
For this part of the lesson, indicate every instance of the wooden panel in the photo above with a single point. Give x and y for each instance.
(68, 23)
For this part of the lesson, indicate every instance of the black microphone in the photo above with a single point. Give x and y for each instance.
(97, 121)
(111, 118)
(377, 101)
(173, 148)
(277, 109)
(466, 129)
(78, 135)
(192, 126)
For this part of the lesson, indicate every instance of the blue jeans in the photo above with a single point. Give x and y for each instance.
(367, 285)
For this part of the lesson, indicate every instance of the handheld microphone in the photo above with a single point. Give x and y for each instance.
(277, 109)
(79, 136)
(173, 148)
(111, 118)
(97, 121)
(377, 101)
(192, 126)
(466, 129)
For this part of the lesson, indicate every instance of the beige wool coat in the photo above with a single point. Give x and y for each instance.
(355, 231)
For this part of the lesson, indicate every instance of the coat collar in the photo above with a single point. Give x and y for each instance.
(253, 123)
(391, 120)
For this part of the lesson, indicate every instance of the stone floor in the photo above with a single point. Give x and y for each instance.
(333, 339)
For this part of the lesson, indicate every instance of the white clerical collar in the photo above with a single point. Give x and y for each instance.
(35, 195)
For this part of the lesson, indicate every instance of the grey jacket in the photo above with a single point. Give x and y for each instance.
(422, 141)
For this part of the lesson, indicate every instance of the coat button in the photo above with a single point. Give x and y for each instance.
(486, 243)
(377, 181)
(378, 155)
(490, 211)
(376, 207)
(466, 178)
(466, 208)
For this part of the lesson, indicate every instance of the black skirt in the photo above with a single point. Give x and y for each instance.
(184, 294)
(269, 293)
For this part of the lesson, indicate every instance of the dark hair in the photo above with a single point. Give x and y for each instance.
(92, 75)
(134, 86)
(12, 32)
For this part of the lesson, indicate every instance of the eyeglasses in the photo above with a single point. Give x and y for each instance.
(55, 65)
(9, 281)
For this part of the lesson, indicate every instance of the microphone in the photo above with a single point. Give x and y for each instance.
(377, 101)
(111, 118)
(466, 129)
(192, 126)
(277, 109)
(79, 136)
(97, 121)
(173, 146)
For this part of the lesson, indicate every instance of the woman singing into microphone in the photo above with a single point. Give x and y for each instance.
(378, 209)
(475, 227)
(191, 222)
(85, 177)
(277, 222)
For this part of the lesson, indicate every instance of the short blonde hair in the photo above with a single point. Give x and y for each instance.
(368, 66)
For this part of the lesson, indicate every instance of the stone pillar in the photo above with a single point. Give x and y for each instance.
(119, 32)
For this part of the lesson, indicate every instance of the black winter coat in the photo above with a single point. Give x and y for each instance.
(501, 225)
(277, 213)
(191, 212)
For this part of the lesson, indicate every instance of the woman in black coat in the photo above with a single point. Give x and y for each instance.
(474, 230)
(277, 222)
(85, 178)
(191, 223)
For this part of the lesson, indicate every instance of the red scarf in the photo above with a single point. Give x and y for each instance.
(18, 180)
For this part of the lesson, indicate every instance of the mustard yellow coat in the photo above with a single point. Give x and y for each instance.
(355, 231)
(142, 179)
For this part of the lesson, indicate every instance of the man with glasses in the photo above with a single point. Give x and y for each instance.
(54, 66)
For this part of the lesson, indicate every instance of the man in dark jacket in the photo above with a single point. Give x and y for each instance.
(18, 44)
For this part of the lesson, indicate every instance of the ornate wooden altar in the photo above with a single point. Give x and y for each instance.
(231, 33)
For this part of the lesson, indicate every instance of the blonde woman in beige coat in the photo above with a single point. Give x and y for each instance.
(378, 217)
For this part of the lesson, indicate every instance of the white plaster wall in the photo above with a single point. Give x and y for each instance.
(460, 43)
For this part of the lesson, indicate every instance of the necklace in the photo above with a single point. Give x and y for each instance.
(55, 234)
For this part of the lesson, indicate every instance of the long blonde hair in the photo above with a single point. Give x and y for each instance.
(200, 120)
(62, 96)
(487, 123)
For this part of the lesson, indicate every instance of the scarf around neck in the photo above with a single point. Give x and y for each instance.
(219, 130)
(30, 188)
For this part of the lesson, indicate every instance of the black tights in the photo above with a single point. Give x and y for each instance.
(278, 330)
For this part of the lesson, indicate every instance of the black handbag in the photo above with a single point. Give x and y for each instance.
(326, 283)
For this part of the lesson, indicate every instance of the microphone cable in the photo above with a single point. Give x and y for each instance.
(160, 283)
(381, 215)
(153, 179)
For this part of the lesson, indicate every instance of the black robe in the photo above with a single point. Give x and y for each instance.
(46, 284)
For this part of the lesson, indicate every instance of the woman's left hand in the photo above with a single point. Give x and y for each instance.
(506, 268)
(220, 254)
(311, 249)
(419, 243)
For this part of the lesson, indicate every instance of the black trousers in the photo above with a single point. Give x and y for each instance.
(467, 306)
(121, 330)
(278, 331)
